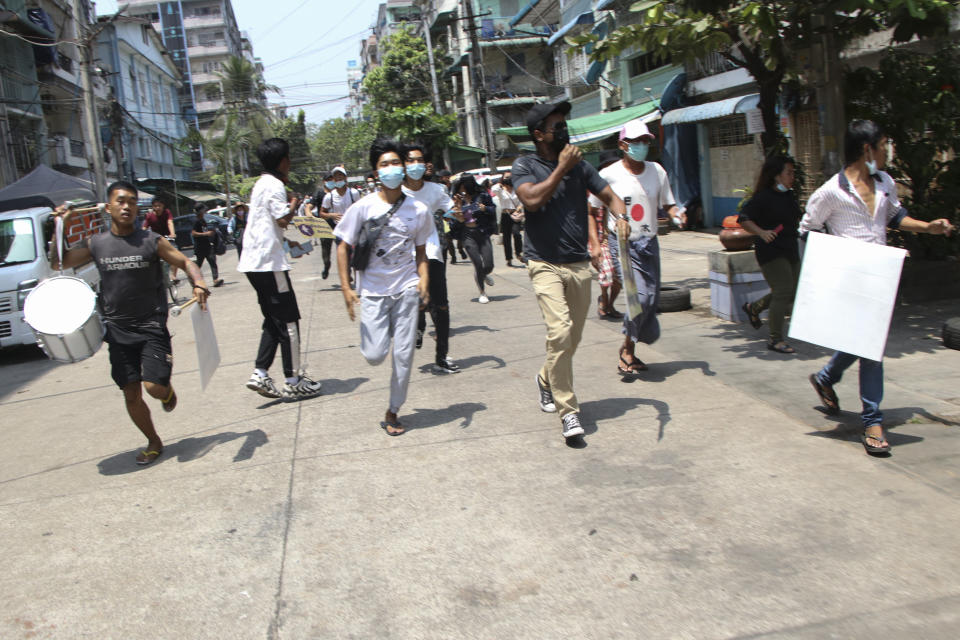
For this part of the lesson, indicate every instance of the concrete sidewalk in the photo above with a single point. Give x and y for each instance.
(699, 507)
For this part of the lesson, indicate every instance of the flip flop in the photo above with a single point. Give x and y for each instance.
(885, 448)
(632, 368)
(754, 318)
(613, 314)
(827, 395)
(395, 425)
(171, 402)
(600, 310)
(780, 347)
(148, 457)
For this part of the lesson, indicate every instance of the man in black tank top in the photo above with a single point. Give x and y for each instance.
(133, 306)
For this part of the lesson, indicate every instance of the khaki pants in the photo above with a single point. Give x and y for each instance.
(563, 292)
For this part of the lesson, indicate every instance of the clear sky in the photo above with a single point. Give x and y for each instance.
(304, 45)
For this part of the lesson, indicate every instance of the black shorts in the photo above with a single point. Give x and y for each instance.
(147, 360)
(275, 295)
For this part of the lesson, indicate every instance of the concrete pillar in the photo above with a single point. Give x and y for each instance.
(706, 181)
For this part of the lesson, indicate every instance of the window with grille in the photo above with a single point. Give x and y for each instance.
(731, 132)
(648, 62)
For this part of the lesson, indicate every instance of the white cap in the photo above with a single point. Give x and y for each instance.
(339, 169)
(635, 129)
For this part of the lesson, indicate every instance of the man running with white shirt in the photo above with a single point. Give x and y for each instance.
(644, 185)
(438, 203)
(394, 281)
(265, 264)
(334, 205)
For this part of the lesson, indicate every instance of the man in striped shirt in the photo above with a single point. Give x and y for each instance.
(860, 202)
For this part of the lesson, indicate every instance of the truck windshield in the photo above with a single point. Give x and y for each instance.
(17, 243)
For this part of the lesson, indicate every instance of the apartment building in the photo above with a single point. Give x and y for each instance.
(200, 36)
(147, 126)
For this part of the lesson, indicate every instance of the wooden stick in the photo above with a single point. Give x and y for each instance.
(176, 311)
(85, 210)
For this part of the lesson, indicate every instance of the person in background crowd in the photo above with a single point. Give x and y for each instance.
(607, 276)
(236, 226)
(773, 216)
(203, 242)
(438, 203)
(314, 209)
(334, 205)
(264, 262)
(644, 185)
(478, 215)
(552, 185)
(371, 184)
(134, 307)
(860, 203)
(443, 177)
(160, 221)
(395, 281)
(511, 219)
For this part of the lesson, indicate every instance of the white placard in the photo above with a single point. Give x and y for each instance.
(755, 122)
(846, 294)
(208, 351)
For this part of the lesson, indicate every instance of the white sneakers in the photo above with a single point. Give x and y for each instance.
(483, 299)
(263, 385)
(300, 390)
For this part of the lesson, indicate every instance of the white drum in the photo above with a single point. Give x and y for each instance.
(62, 312)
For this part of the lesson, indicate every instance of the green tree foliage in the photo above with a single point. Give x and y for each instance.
(245, 93)
(400, 93)
(763, 37)
(303, 167)
(914, 96)
(343, 141)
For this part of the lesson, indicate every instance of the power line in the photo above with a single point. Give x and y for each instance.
(283, 19)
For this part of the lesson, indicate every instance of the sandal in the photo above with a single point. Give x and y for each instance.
(146, 457)
(632, 368)
(780, 347)
(613, 314)
(828, 396)
(600, 310)
(170, 403)
(884, 446)
(754, 318)
(386, 426)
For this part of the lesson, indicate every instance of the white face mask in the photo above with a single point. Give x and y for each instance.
(780, 187)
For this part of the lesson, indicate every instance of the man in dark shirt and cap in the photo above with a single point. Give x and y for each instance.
(553, 185)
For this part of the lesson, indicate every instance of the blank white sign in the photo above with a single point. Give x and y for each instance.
(208, 351)
(846, 294)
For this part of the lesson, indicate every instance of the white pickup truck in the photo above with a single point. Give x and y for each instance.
(25, 234)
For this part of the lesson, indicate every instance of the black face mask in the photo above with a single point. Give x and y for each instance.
(561, 138)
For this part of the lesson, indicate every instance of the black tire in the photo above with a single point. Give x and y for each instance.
(951, 333)
(674, 299)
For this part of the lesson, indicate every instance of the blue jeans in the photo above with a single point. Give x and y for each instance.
(871, 383)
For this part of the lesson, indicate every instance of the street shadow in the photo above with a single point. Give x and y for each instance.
(594, 411)
(426, 418)
(456, 331)
(31, 364)
(501, 298)
(850, 432)
(186, 450)
(467, 363)
(748, 342)
(332, 386)
(660, 371)
(892, 418)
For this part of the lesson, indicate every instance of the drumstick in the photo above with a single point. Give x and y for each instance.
(177, 310)
(85, 210)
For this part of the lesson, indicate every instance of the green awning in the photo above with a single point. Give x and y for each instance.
(469, 149)
(594, 127)
(201, 196)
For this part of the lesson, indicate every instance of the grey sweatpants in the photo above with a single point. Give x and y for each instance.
(383, 318)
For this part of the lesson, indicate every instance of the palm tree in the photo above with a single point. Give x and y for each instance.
(220, 141)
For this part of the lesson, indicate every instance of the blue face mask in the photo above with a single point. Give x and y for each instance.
(781, 188)
(416, 171)
(328, 185)
(638, 151)
(391, 176)
(339, 184)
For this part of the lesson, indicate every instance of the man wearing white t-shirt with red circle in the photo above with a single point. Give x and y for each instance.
(644, 188)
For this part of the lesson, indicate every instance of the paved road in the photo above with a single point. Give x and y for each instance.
(712, 500)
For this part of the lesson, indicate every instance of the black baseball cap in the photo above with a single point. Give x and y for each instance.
(539, 112)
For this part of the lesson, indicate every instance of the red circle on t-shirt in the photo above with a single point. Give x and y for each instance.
(636, 212)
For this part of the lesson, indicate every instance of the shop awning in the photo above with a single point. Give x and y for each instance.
(584, 18)
(513, 42)
(590, 128)
(603, 4)
(468, 149)
(506, 102)
(201, 196)
(515, 20)
(712, 110)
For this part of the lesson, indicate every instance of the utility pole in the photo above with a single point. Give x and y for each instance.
(116, 132)
(476, 70)
(433, 71)
(91, 128)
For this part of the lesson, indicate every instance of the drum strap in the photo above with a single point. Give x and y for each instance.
(58, 238)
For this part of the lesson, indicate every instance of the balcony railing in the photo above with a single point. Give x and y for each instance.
(710, 65)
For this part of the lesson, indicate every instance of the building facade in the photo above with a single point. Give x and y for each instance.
(146, 124)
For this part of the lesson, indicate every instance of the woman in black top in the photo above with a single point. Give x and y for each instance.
(479, 218)
(773, 215)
